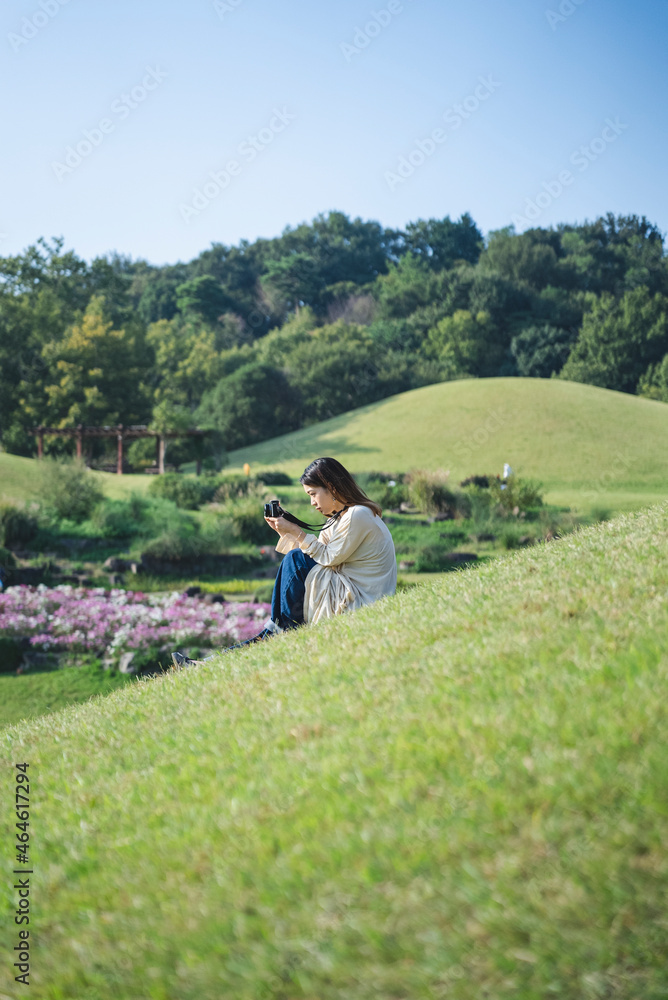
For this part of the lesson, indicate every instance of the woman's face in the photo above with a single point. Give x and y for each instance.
(323, 500)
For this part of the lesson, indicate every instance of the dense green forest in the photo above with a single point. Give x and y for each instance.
(261, 338)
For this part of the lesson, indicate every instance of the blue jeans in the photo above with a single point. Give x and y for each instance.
(287, 601)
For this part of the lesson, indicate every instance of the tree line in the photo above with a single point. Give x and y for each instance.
(266, 337)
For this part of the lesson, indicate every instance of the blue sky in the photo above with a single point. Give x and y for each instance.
(545, 112)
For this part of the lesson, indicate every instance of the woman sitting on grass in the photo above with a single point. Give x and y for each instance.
(353, 563)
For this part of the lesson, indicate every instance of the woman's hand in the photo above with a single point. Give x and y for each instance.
(284, 527)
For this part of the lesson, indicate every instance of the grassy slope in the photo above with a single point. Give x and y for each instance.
(590, 447)
(33, 694)
(19, 480)
(459, 792)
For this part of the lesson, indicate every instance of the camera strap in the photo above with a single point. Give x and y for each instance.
(313, 527)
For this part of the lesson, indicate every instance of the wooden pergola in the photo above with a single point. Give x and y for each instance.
(121, 433)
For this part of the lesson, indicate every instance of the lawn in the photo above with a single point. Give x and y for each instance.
(459, 792)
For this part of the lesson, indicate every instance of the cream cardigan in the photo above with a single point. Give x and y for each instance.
(356, 564)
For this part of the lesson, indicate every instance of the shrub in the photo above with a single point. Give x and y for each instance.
(248, 523)
(118, 518)
(476, 490)
(388, 490)
(432, 559)
(68, 490)
(175, 545)
(164, 516)
(391, 497)
(367, 479)
(510, 538)
(233, 486)
(17, 527)
(274, 479)
(481, 481)
(430, 492)
(185, 540)
(481, 511)
(529, 494)
(513, 492)
(511, 495)
(7, 560)
(10, 655)
(218, 537)
(208, 487)
(140, 516)
(185, 491)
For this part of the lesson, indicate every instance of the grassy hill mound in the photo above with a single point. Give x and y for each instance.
(588, 446)
(458, 792)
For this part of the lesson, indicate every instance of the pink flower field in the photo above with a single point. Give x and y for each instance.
(100, 621)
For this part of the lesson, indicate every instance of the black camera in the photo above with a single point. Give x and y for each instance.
(273, 509)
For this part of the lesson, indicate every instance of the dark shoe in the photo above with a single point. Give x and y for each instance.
(180, 660)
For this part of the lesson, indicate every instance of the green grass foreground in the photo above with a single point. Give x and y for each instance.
(36, 693)
(589, 447)
(460, 792)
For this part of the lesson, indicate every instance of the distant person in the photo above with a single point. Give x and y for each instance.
(351, 564)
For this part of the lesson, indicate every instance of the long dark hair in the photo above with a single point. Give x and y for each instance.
(330, 474)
